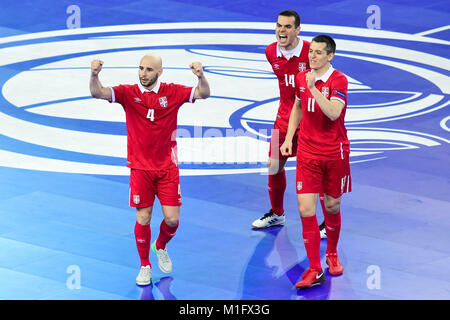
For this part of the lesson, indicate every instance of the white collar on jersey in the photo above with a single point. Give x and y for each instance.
(155, 88)
(326, 75)
(296, 51)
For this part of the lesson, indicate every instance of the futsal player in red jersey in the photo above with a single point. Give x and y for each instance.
(323, 154)
(288, 56)
(151, 109)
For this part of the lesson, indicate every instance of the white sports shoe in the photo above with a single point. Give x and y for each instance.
(323, 231)
(164, 262)
(270, 219)
(145, 276)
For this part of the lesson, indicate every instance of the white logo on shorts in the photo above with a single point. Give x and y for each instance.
(136, 199)
(299, 186)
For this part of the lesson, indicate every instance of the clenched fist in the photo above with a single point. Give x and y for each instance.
(286, 148)
(311, 79)
(197, 68)
(96, 66)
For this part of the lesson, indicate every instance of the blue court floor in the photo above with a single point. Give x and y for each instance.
(66, 230)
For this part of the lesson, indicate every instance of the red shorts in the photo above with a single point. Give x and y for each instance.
(331, 176)
(146, 184)
(277, 140)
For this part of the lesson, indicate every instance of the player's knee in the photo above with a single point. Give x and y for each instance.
(143, 216)
(275, 167)
(171, 221)
(332, 206)
(306, 210)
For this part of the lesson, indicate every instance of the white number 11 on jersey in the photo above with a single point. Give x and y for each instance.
(151, 114)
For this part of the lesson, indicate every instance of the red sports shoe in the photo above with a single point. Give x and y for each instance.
(310, 278)
(334, 266)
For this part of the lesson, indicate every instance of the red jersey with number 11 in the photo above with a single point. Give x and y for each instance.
(320, 137)
(152, 122)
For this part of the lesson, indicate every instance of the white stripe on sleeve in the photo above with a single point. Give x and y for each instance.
(113, 96)
(191, 98)
(339, 99)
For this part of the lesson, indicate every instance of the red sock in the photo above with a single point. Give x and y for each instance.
(311, 237)
(142, 235)
(333, 226)
(166, 233)
(277, 186)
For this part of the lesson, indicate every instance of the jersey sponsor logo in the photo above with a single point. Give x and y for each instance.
(233, 135)
(276, 66)
(302, 66)
(302, 89)
(163, 102)
(137, 100)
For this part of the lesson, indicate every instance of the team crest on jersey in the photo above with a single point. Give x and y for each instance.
(301, 66)
(163, 102)
(325, 91)
(136, 199)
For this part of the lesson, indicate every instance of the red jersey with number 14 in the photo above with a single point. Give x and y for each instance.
(286, 70)
(152, 122)
(320, 137)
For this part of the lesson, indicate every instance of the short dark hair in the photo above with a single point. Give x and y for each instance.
(291, 13)
(330, 44)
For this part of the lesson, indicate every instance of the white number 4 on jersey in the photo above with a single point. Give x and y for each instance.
(151, 114)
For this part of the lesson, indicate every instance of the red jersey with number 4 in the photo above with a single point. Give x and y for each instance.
(320, 137)
(152, 122)
(286, 70)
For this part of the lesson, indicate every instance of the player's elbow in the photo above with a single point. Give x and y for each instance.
(334, 117)
(335, 111)
(203, 93)
(94, 93)
(206, 95)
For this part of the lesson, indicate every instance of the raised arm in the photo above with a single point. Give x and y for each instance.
(294, 120)
(202, 90)
(97, 90)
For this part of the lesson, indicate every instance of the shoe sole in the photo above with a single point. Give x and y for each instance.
(155, 252)
(335, 274)
(143, 283)
(272, 225)
(313, 285)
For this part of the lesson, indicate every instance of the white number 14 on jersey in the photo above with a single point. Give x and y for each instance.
(289, 80)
